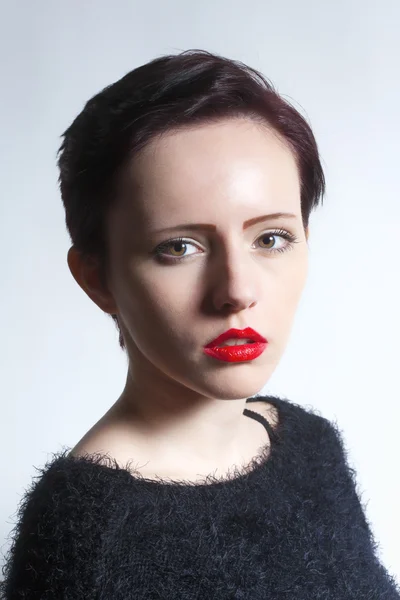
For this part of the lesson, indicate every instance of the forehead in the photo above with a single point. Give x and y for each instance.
(235, 164)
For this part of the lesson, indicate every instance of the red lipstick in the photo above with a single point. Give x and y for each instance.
(255, 347)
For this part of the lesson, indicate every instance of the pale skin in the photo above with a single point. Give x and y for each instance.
(180, 414)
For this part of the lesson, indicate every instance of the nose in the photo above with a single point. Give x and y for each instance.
(236, 283)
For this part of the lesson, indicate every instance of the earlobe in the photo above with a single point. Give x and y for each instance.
(86, 272)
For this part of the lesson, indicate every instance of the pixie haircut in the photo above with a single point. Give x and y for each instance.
(172, 91)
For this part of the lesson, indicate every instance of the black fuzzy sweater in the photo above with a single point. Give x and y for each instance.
(289, 526)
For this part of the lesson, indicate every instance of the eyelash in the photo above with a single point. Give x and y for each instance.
(290, 238)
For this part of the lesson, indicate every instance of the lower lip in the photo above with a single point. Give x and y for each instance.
(240, 353)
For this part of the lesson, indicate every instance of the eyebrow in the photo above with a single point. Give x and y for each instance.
(246, 224)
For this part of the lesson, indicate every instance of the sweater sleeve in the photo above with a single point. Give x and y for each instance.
(363, 575)
(56, 542)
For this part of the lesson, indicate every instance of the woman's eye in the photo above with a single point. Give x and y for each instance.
(177, 247)
(268, 243)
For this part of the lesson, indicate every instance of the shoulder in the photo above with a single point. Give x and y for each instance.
(307, 425)
(318, 446)
(59, 484)
(68, 484)
(61, 520)
(305, 415)
(110, 446)
(64, 491)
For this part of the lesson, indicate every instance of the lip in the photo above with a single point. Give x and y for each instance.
(241, 353)
(240, 334)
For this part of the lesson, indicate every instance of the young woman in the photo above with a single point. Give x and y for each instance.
(188, 186)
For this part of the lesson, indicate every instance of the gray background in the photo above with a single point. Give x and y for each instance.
(338, 62)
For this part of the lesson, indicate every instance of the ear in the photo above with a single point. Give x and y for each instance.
(86, 272)
(307, 232)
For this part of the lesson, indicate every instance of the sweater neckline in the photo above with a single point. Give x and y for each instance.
(235, 477)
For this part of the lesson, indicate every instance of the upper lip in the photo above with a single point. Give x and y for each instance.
(247, 333)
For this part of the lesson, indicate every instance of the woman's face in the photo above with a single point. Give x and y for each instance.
(203, 184)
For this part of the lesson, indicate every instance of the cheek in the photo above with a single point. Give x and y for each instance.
(154, 307)
(283, 297)
(293, 288)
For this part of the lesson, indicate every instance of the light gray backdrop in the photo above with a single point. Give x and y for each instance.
(61, 366)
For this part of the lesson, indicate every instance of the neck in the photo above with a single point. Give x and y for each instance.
(178, 422)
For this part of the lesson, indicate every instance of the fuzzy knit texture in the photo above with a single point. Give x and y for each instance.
(290, 525)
